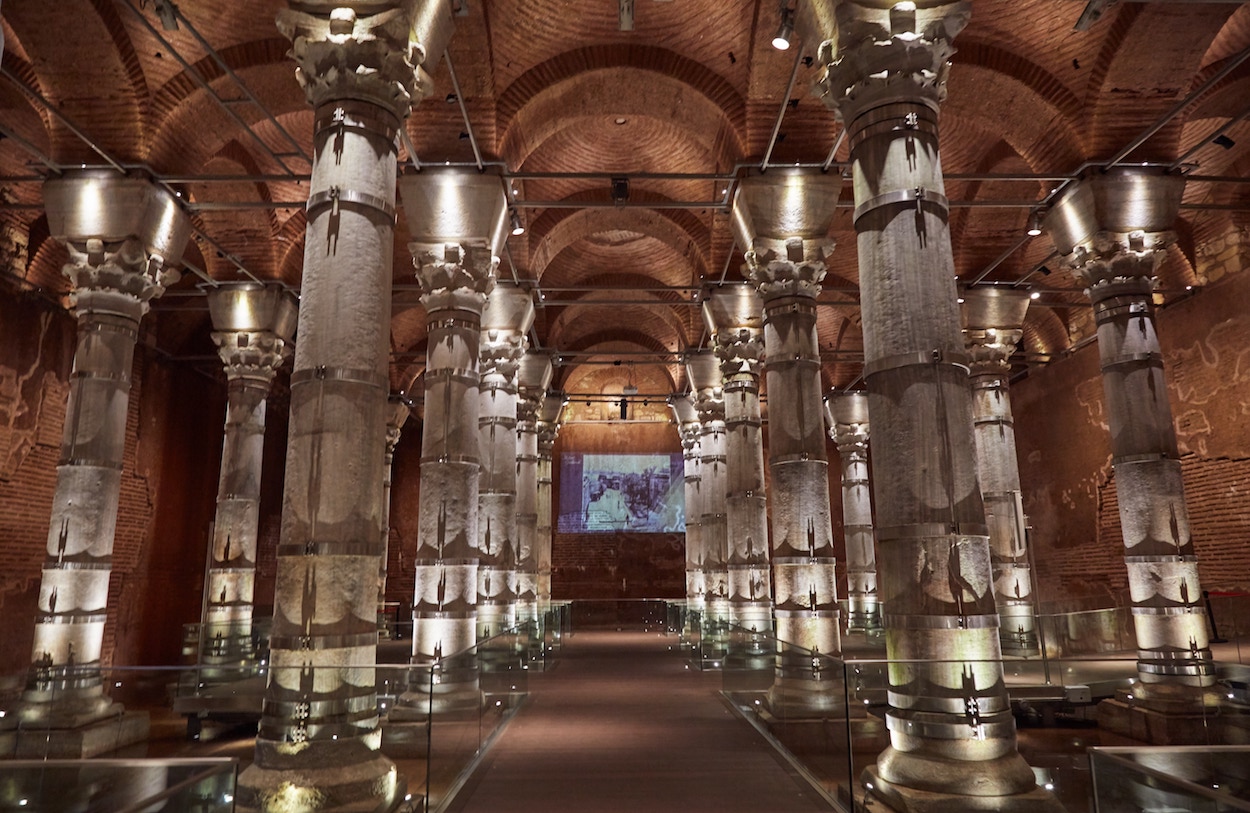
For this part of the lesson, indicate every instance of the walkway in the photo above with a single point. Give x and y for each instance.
(621, 726)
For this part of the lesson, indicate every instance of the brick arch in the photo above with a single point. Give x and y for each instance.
(998, 158)
(291, 261)
(534, 105)
(1044, 332)
(659, 328)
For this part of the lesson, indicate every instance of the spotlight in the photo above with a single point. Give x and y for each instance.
(1035, 224)
(168, 14)
(1035, 295)
(517, 228)
(785, 30)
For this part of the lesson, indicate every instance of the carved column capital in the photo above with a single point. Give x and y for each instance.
(250, 354)
(454, 275)
(989, 348)
(547, 438)
(529, 402)
(885, 54)
(851, 439)
(126, 268)
(1111, 259)
(795, 273)
(741, 352)
(710, 404)
(500, 354)
(348, 55)
(690, 434)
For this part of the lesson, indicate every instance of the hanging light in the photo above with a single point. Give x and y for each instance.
(785, 30)
(517, 228)
(1035, 224)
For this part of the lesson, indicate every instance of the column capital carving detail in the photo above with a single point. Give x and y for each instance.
(253, 354)
(776, 276)
(1109, 258)
(369, 57)
(529, 402)
(989, 348)
(851, 439)
(547, 438)
(124, 268)
(741, 351)
(500, 354)
(711, 409)
(885, 54)
(453, 275)
(690, 436)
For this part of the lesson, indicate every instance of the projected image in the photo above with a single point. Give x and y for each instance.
(640, 493)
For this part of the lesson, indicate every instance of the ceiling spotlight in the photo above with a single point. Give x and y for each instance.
(1035, 295)
(517, 228)
(620, 189)
(1035, 224)
(168, 14)
(785, 30)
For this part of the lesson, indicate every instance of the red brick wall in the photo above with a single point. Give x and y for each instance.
(602, 566)
(1065, 457)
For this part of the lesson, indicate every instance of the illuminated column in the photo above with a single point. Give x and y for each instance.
(457, 220)
(705, 378)
(1113, 228)
(548, 427)
(318, 738)
(850, 432)
(397, 412)
(252, 328)
(533, 380)
(123, 236)
(993, 320)
(950, 723)
(734, 316)
(781, 221)
(691, 433)
(507, 318)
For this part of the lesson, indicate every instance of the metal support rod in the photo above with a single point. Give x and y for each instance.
(464, 110)
(837, 144)
(9, 133)
(1016, 246)
(61, 117)
(772, 141)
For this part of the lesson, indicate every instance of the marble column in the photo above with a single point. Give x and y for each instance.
(252, 328)
(952, 736)
(1113, 227)
(397, 412)
(532, 380)
(850, 431)
(319, 735)
(691, 431)
(781, 221)
(993, 323)
(548, 428)
(734, 316)
(709, 397)
(123, 235)
(505, 322)
(457, 219)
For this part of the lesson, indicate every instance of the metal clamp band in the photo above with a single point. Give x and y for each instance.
(360, 120)
(1156, 359)
(750, 385)
(919, 358)
(754, 422)
(528, 458)
(315, 548)
(107, 564)
(1175, 655)
(929, 530)
(918, 196)
(1165, 559)
(987, 705)
(996, 420)
(773, 365)
(344, 374)
(94, 463)
(1151, 457)
(496, 420)
(334, 196)
(130, 331)
(1006, 496)
(940, 622)
(749, 494)
(952, 731)
(72, 618)
(453, 459)
(1188, 669)
(318, 642)
(451, 323)
(1181, 609)
(801, 457)
(90, 375)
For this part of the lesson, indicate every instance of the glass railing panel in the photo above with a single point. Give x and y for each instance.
(646, 615)
(1205, 780)
(119, 786)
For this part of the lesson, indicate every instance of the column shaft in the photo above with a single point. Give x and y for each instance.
(851, 432)
(497, 495)
(713, 533)
(527, 464)
(692, 458)
(542, 538)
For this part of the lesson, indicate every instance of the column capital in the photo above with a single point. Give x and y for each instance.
(690, 435)
(740, 350)
(885, 53)
(454, 275)
(397, 412)
(529, 402)
(1109, 260)
(500, 354)
(125, 268)
(777, 275)
(989, 348)
(341, 53)
(250, 354)
(711, 407)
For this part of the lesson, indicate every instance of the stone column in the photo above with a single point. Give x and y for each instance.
(850, 431)
(951, 731)
(457, 219)
(252, 328)
(533, 380)
(397, 412)
(507, 318)
(705, 378)
(735, 318)
(993, 322)
(123, 237)
(691, 432)
(548, 428)
(318, 738)
(781, 221)
(1113, 227)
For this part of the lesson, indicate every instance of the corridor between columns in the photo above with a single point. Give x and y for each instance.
(622, 724)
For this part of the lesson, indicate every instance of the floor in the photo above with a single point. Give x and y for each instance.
(621, 724)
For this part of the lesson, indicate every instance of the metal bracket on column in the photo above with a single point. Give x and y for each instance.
(917, 359)
(364, 119)
(919, 197)
(1131, 360)
(345, 374)
(333, 196)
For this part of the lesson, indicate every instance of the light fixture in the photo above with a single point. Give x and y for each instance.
(785, 30)
(1035, 224)
(1224, 141)
(517, 228)
(1035, 295)
(167, 13)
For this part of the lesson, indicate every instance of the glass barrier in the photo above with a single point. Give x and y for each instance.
(1201, 779)
(648, 615)
(119, 785)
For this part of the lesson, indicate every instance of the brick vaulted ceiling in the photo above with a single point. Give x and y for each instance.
(564, 99)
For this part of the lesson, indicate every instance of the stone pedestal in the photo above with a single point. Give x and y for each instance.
(318, 739)
(850, 431)
(953, 744)
(120, 258)
(993, 322)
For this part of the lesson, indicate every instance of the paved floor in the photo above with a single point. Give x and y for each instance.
(621, 726)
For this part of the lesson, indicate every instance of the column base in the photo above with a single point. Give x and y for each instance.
(903, 799)
(1165, 715)
(78, 742)
(320, 777)
(791, 698)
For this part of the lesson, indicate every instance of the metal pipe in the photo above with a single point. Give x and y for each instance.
(61, 117)
(837, 144)
(1002, 257)
(406, 140)
(464, 110)
(626, 204)
(781, 114)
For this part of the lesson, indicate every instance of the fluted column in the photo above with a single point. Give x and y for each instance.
(709, 398)
(397, 412)
(318, 739)
(123, 237)
(533, 380)
(850, 431)
(252, 328)
(950, 723)
(993, 320)
(1113, 228)
(548, 428)
(735, 318)
(691, 434)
